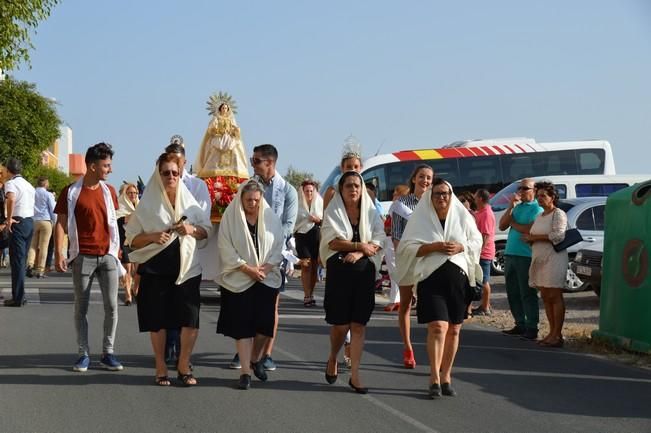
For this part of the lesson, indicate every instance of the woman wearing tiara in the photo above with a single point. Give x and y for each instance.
(222, 160)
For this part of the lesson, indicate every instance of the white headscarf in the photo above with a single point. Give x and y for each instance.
(336, 225)
(155, 214)
(126, 207)
(236, 245)
(424, 227)
(303, 223)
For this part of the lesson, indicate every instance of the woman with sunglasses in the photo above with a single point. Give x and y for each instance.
(164, 232)
(438, 252)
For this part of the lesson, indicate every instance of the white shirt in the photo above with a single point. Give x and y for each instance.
(23, 196)
(198, 189)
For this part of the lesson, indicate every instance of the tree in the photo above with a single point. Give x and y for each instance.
(17, 19)
(295, 177)
(29, 123)
(57, 178)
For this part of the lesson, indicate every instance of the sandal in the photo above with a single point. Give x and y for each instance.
(307, 302)
(312, 301)
(163, 381)
(187, 379)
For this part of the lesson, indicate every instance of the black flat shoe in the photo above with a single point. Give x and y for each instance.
(516, 330)
(258, 371)
(13, 303)
(435, 390)
(360, 390)
(245, 382)
(330, 378)
(446, 389)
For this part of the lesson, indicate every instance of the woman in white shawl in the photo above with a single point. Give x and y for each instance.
(250, 243)
(439, 251)
(307, 235)
(163, 233)
(127, 201)
(351, 237)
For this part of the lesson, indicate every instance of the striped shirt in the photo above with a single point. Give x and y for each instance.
(398, 222)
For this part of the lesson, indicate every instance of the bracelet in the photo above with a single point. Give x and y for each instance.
(355, 246)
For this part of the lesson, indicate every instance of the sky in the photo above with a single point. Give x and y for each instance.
(306, 74)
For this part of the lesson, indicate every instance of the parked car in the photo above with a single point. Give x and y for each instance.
(585, 214)
(568, 187)
(587, 265)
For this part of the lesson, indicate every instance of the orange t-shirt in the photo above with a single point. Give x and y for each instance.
(91, 218)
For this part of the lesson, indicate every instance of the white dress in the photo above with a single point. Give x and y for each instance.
(548, 267)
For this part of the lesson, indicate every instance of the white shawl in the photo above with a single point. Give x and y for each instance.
(155, 214)
(424, 227)
(303, 223)
(126, 207)
(336, 225)
(236, 245)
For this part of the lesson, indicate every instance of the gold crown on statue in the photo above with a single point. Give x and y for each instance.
(352, 148)
(217, 99)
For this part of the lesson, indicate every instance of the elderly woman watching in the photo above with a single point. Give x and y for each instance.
(250, 246)
(163, 232)
(438, 251)
(351, 236)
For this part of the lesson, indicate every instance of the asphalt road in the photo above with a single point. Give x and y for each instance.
(504, 384)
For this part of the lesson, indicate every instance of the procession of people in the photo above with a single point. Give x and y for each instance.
(234, 228)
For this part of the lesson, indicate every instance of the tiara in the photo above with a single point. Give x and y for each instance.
(217, 99)
(352, 148)
(176, 139)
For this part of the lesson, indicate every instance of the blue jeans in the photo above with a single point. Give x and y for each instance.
(21, 239)
(84, 269)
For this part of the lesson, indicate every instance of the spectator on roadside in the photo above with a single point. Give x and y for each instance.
(250, 242)
(486, 225)
(164, 232)
(351, 238)
(419, 181)
(86, 213)
(468, 200)
(548, 267)
(4, 235)
(44, 219)
(19, 201)
(127, 201)
(523, 300)
(390, 251)
(438, 252)
(307, 235)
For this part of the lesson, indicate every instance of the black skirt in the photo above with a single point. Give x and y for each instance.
(307, 244)
(349, 291)
(246, 314)
(164, 305)
(442, 295)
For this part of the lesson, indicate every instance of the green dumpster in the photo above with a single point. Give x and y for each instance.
(625, 300)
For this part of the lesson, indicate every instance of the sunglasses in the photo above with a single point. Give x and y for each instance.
(169, 173)
(524, 188)
(441, 194)
(256, 161)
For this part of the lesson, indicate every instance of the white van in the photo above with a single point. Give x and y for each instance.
(568, 187)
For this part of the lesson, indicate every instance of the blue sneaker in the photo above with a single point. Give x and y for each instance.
(82, 364)
(110, 362)
(268, 363)
(235, 363)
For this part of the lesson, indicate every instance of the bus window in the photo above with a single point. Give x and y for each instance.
(591, 161)
(517, 166)
(378, 178)
(598, 189)
(481, 172)
(561, 189)
(556, 163)
(448, 169)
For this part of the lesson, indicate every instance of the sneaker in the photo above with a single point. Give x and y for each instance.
(481, 312)
(268, 363)
(110, 362)
(516, 330)
(82, 363)
(29, 273)
(235, 363)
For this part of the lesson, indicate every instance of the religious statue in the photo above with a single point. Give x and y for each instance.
(222, 160)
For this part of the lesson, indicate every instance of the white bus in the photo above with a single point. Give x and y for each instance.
(491, 164)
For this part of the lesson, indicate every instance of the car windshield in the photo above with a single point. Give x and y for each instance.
(500, 201)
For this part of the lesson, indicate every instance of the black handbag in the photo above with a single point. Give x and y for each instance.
(473, 293)
(572, 237)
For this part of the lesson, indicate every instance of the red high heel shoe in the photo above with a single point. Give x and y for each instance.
(392, 307)
(408, 359)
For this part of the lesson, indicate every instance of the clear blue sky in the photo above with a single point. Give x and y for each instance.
(306, 74)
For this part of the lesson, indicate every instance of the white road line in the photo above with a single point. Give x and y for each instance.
(554, 375)
(395, 412)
